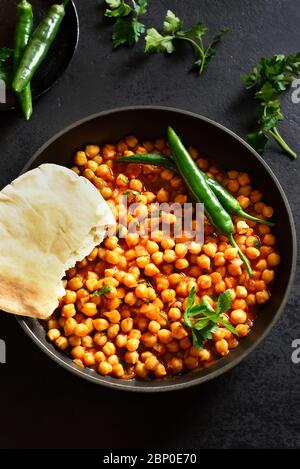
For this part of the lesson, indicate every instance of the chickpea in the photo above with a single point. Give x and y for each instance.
(204, 281)
(143, 261)
(127, 324)
(181, 250)
(105, 368)
(242, 329)
(191, 362)
(78, 352)
(81, 330)
(178, 331)
(269, 239)
(132, 344)
(70, 297)
(140, 370)
(68, 311)
(222, 347)
(219, 334)
(157, 257)
(151, 363)
(100, 357)
(151, 270)
(53, 334)
(164, 336)
(160, 371)
(262, 296)
(220, 287)
(203, 261)
(75, 283)
(131, 357)
(169, 256)
(118, 370)
(74, 340)
(168, 295)
(153, 327)
(162, 195)
(62, 343)
(252, 253)
(149, 339)
(167, 243)
(241, 292)
(175, 365)
(174, 314)
(204, 355)
(230, 254)
(181, 264)
(109, 349)
(112, 257)
(268, 275)
(131, 141)
(89, 309)
(238, 316)
(80, 158)
(273, 259)
(209, 249)
(69, 326)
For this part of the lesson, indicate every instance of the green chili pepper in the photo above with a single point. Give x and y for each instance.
(22, 36)
(150, 158)
(201, 191)
(38, 46)
(228, 201)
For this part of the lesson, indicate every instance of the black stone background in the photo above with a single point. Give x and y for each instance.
(257, 403)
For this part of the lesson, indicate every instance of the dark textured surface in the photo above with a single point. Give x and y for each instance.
(256, 404)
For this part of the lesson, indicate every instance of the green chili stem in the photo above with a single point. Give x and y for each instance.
(276, 135)
(65, 3)
(242, 256)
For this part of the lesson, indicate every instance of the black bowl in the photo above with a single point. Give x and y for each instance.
(60, 53)
(230, 152)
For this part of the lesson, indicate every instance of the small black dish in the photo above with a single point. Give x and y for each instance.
(59, 55)
(227, 150)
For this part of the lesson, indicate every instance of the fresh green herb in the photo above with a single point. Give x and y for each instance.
(172, 31)
(127, 28)
(130, 192)
(5, 55)
(102, 291)
(203, 319)
(257, 244)
(270, 78)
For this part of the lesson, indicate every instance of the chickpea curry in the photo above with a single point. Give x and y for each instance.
(124, 312)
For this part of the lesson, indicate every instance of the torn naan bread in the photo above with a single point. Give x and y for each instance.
(50, 218)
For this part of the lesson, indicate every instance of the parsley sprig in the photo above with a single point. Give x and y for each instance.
(127, 28)
(102, 291)
(5, 55)
(173, 30)
(270, 78)
(203, 319)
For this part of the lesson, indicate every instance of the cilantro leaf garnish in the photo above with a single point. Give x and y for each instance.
(203, 319)
(270, 78)
(172, 31)
(127, 28)
(102, 291)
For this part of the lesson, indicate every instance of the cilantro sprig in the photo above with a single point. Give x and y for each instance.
(102, 291)
(270, 78)
(203, 319)
(5, 54)
(165, 40)
(127, 28)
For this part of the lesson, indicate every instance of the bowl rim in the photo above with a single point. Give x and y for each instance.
(177, 384)
(13, 107)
